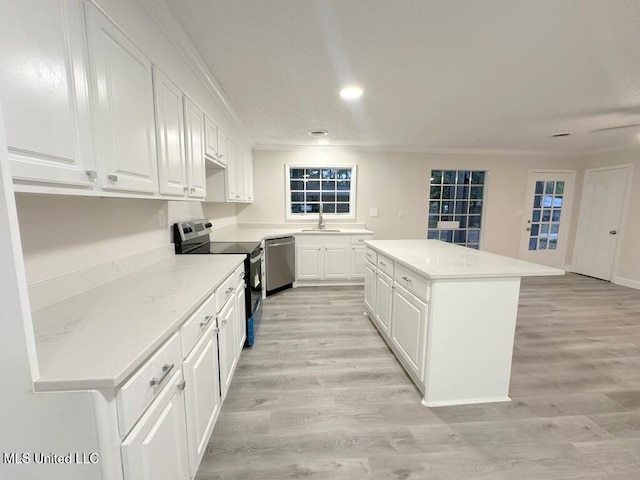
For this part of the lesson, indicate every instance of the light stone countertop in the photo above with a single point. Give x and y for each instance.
(252, 234)
(435, 259)
(97, 339)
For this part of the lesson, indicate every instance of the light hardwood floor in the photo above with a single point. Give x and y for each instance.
(321, 397)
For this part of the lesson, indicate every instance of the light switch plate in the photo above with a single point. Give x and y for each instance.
(373, 212)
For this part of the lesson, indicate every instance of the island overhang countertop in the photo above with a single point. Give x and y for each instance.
(435, 259)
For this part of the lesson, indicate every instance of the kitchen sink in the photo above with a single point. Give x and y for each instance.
(316, 230)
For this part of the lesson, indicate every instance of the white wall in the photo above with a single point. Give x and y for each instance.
(627, 271)
(392, 182)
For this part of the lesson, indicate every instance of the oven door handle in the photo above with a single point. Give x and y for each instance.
(257, 258)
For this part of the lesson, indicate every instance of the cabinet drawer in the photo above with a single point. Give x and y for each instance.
(412, 282)
(385, 264)
(193, 328)
(360, 239)
(133, 398)
(225, 291)
(371, 256)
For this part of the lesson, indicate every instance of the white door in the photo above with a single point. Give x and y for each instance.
(336, 263)
(194, 138)
(409, 321)
(123, 96)
(357, 261)
(43, 92)
(227, 344)
(546, 217)
(156, 448)
(309, 263)
(172, 169)
(384, 291)
(202, 395)
(370, 287)
(599, 222)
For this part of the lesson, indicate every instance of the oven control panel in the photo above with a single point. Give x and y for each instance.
(192, 229)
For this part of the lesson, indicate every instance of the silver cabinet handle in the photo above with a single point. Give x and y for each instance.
(92, 174)
(406, 279)
(216, 330)
(165, 372)
(382, 263)
(193, 189)
(612, 232)
(224, 321)
(181, 385)
(206, 321)
(186, 189)
(229, 290)
(112, 177)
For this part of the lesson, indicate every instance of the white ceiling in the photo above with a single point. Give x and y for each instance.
(437, 74)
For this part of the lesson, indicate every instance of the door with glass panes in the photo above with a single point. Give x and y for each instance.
(546, 217)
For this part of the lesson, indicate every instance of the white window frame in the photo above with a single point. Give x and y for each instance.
(314, 216)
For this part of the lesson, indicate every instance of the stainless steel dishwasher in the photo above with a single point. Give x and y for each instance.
(280, 263)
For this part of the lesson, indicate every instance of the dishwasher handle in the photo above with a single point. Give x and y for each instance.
(281, 244)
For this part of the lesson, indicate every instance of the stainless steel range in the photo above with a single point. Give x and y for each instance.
(192, 238)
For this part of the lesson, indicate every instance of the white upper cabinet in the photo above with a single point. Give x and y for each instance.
(172, 167)
(211, 141)
(248, 176)
(223, 147)
(232, 173)
(43, 92)
(122, 93)
(194, 137)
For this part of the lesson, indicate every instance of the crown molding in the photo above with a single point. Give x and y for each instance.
(162, 16)
(402, 149)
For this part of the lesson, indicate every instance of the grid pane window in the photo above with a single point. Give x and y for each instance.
(310, 187)
(545, 216)
(456, 196)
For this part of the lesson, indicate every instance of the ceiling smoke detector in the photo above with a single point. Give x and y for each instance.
(560, 134)
(318, 133)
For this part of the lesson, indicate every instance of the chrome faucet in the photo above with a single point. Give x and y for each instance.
(321, 225)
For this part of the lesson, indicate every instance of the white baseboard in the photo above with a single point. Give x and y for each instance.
(469, 401)
(626, 282)
(327, 283)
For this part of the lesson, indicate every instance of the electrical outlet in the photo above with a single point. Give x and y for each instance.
(162, 220)
(373, 212)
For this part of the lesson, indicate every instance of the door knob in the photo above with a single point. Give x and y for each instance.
(612, 232)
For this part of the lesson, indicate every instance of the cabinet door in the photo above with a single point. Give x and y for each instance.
(370, 287)
(156, 448)
(248, 176)
(383, 297)
(202, 395)
(194, 138)
(357, 261)
(231, 173)
(336, 261)
(210, 138)
(309, 262)
(122, 90)
(43, 92)
(241, 323)
(223, 147)
(408, 329)
(227, 344)
(172, 168)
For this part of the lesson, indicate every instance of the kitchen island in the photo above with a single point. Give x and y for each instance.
(448, 313)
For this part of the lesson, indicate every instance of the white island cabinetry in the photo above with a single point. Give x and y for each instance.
(448, 313)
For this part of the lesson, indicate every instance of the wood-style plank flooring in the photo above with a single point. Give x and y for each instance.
(320, 396)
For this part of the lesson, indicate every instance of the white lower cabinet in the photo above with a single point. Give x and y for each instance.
(156, 448)
(240, 324)
(202, 395)
(409, 331)
(383, 301)
(330, 257)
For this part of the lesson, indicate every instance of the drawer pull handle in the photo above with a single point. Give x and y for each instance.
(224, 321)
(406, 279)
(181, 385)
(206, 321)
(229, 290)
(382, 263)
(165, 372)
(112, 178)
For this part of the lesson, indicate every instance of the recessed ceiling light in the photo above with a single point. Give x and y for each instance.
(351, 92)
(560, 134)
(318, 133)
